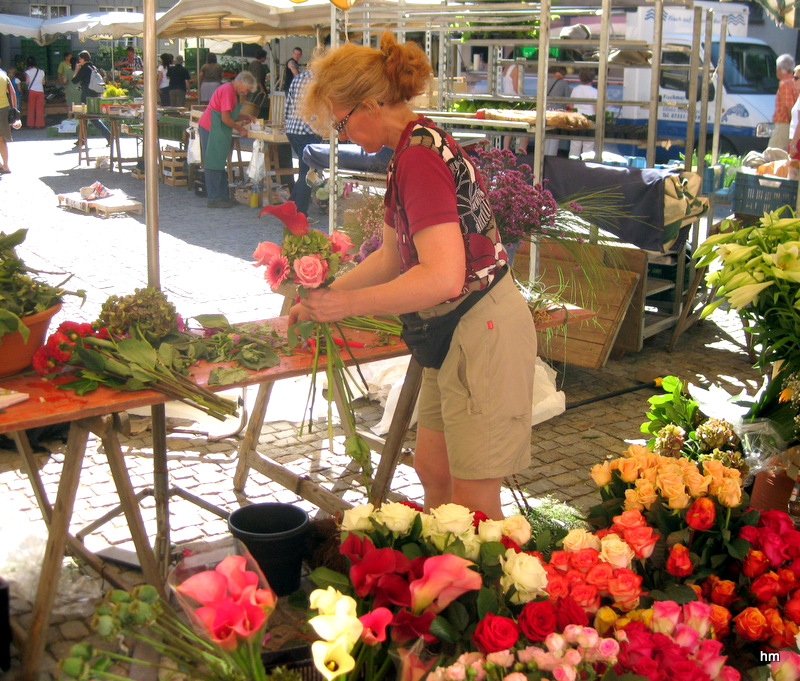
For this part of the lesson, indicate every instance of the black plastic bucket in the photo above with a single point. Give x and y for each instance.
(275, 535)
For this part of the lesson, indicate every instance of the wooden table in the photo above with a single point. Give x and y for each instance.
(102, 412)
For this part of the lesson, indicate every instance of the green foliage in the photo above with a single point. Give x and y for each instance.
(550, 520)
(22, 293)
(675, 407)
(146, 313)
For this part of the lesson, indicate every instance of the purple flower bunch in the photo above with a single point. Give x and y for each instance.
(522, 209)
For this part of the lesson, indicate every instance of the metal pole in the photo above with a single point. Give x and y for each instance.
(158, 412)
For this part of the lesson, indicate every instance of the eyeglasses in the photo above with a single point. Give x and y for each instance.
(339, 127)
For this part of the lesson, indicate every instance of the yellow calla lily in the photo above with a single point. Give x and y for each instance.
(332, 658)
(333, 627)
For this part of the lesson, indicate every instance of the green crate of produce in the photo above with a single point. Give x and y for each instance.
(759, 194)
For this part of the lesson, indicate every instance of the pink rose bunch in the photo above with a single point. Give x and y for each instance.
(307, 258)
(575, 654)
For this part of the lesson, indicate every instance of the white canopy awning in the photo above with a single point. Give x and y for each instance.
(21, 26)
(94, 25)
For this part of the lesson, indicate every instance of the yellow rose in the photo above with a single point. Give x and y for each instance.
(578, 539)
(615, 551)
(679, 500)
(517, 528)
(670, 482)
(641, 615)
(697, 484)
(646, 491)
(730, 492)
(628, 469)
(714, 468)
(604, 619)
(632, 501)
(601, 474)
(357, 518)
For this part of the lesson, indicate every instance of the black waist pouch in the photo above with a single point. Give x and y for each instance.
(429, 339)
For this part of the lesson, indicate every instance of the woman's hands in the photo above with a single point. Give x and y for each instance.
(321, 305)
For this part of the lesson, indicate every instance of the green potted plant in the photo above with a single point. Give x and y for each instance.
(27, 303)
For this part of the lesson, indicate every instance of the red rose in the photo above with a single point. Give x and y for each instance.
(750, 624)
(678, 563)
(774, 548)
(765, 587)
(750, 533)
(792, 609)
(778, 522)
(537, 620)
(755, 563)
(599, 575)
(701, 514)
(557, 586)
(687, 670)
(584, 560)
(569, 612)
(495, 633)
(478, 517)
(509, 543)
(788, 581)
(586, 596)
(560, 560)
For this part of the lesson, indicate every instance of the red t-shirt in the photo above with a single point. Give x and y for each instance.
(431, 181)
(223, 99)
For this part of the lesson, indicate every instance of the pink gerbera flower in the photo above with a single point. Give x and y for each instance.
(277, 271)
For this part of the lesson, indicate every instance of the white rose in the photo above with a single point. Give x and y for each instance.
(472, 547)
(490, 530)
(396, 517)
(357, 518)
(452, 518)
(578, 539)
(525, 573)
(517, 528)
(615, 551)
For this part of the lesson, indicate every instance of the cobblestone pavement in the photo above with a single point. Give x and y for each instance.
(205, 267)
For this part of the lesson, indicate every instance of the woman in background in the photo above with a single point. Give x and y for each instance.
(163, 78)
(209, 78)
(34, 78)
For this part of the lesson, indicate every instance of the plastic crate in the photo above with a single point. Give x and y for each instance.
(297, 658)
(713, 178)
(759, 194)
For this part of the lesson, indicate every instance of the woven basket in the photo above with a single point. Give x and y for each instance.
(253, 108)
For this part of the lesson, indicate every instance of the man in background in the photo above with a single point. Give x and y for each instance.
(132, 60)
(784, 101)
(292, 68)
(259, 70)
(300, 134)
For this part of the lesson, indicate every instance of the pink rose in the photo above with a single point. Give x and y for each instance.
(265, 251)
(666, 615)
(341, 244)
(608, 649)
(310, 271)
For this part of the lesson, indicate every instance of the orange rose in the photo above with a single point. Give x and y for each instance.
(632, 501)
(765, 587)
(730, 492)
(701, 514)
(642, 540)
(788, 581)
(586, 596)
(720, 620)
(790, 631)
(723, 592)
(678, 563)
(755, 564)
(627, 521)
(751, 624)
(584, 560)
(696, 483)
(628, 469)
(646, 492)
(601, 573)
(625, 588)
(601, 474)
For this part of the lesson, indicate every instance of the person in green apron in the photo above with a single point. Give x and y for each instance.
(216, 127)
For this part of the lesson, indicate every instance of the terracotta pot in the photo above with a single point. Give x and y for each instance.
(15, 354)
(771, 491)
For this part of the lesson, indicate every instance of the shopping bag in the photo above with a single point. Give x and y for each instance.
(193, 153)
(256, 171)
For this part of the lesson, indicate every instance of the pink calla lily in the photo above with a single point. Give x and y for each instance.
(205, 587)
(445, 578)
(263, 598)
(234, 569)
(375, 623)
(221, 621)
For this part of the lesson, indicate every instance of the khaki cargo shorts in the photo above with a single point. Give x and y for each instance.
(481, 397)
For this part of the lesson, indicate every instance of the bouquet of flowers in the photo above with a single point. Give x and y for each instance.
(310, 259)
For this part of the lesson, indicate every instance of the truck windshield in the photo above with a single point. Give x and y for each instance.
(749, 68)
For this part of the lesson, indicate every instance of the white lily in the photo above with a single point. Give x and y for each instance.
(332, 658)
(744, 295)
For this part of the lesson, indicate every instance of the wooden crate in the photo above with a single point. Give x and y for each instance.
(606, 290)
(173, 167)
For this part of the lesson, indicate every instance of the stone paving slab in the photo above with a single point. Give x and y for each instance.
(205, 267)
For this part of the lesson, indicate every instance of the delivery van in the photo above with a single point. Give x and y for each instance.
(747, 91)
